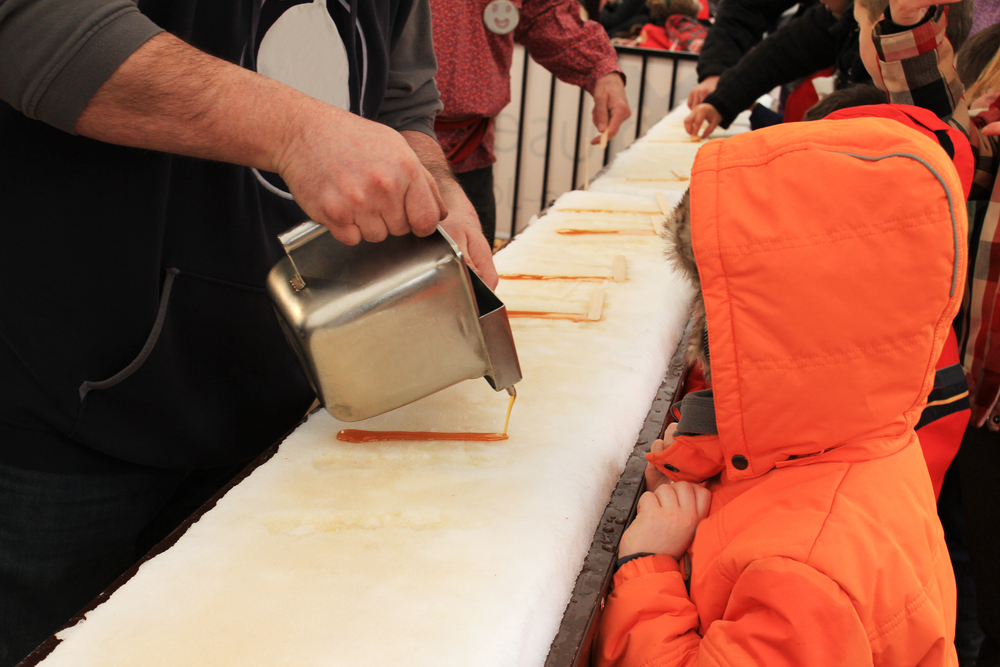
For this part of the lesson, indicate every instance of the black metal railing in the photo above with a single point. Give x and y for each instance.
(646, 69)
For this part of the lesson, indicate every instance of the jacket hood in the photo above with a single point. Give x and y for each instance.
(830, 257)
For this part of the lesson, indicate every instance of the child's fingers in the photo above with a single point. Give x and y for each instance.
(654, 477)
(694, 120)
(703, 501)
(649, 501)
(693, 500)
(710, 124)
(666, 494)
(684, 492)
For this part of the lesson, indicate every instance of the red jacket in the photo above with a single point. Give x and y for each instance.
(831, 259)
(474, 65)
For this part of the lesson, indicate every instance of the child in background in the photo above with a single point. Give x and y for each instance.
(800, 48)
(860, 95)
(977, 52)
(907, 56)
(987, 82)
(801, 508)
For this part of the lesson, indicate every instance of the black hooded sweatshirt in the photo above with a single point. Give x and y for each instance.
(801, 47)
(134, 323)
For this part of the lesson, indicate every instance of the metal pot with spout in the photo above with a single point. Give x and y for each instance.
(376, 326)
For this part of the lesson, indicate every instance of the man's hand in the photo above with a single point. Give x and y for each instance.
(359, 178)
(701, 91)
(654, 476)
(610, 105)
(462, 223)
(667, 520)
(703, 114)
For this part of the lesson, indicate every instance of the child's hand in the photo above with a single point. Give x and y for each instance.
(654, 476)
(703, 114)
(910, 12)
(702, 90)
(667, 520)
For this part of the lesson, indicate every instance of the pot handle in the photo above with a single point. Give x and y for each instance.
(295, 238)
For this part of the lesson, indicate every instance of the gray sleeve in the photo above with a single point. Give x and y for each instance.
(411, 98)
(54, 54)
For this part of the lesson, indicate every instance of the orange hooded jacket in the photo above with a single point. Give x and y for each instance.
(831, 258)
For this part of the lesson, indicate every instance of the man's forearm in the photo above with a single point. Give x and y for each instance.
(171, 97)
(462, 223)
(359, 178)
(431, 156)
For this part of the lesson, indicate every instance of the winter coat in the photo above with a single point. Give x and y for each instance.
(803, 46)
(739, 26)
(823, 545)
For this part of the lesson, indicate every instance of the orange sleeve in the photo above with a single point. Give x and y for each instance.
(647, 615)
(780, 613)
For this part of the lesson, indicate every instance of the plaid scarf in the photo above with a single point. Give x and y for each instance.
(917, 67)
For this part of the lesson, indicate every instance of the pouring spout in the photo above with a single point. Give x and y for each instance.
(503, 369)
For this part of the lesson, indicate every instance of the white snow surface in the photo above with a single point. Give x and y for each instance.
(432, 553)
(661, 159)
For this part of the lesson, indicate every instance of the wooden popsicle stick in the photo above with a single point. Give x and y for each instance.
(665, 208)
(606, 210)
(661, 201)
(586, 159)
(596, 303)
(676, 179)
(620, 271)
(690, 140)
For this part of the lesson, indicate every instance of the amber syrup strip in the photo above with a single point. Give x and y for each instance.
(620, 232)
(603, 210)
(545, 315)
(676, 179)
(361, 435)
(532, 276)
(690, 140)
